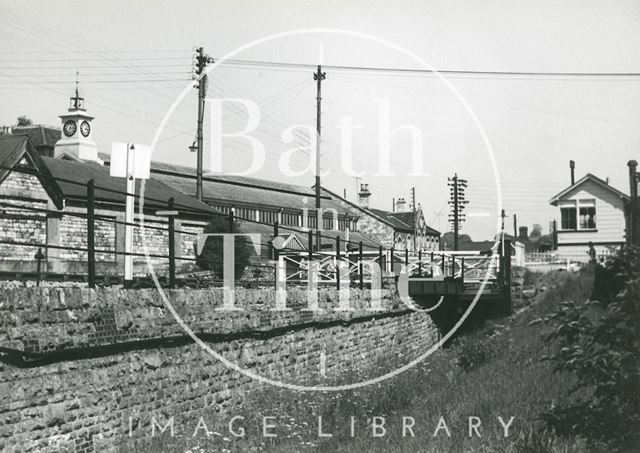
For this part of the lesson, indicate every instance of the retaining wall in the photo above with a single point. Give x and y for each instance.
(80, 367)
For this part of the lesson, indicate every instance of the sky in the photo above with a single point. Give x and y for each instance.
(135, 58)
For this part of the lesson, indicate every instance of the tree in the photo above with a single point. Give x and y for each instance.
(211, 257)
(536, 231)
(447, 240)
(24, 121)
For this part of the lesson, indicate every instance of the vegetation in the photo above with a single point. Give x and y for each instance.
(495, 371)
(599, 343)
(212, 257)
(24, 121)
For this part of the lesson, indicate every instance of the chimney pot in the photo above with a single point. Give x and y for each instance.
(523, 232)
(572, 166)
(363, 196)
(633, 181)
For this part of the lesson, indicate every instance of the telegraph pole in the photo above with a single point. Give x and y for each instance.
(515, 226)
(201, 60)
(318, 77)
(413, 204)
(457, 188)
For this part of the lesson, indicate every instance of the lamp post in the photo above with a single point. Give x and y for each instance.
(129, 161)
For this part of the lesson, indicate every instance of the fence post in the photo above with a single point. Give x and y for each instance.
(172, 244)
(276, 233)
(360, 267)
(507, 273)
(442, 265)
(391, 259)
(462, 270)
(310, 239)
(406, 258)
(338, 262)
(39, 256)
(380, 260)
(231, 221)
(420, 262)
(91, 234)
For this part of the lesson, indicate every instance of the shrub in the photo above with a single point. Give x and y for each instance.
(474, 352)
(599, 343)
(212, 258)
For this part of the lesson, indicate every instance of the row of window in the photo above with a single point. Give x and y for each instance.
(290, 219)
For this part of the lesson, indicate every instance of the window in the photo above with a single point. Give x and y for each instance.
(327, 223)
(568, 218)
(244, 213)
(269, 217)
(312, 221)
(578, 215)
(290, 219)
(587, 218)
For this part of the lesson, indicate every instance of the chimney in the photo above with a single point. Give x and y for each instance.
(401, 205)
(524, 232)
(633, 181)
(363, 196)
(572, 166)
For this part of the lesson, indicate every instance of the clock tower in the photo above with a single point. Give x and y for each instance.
(76, 140)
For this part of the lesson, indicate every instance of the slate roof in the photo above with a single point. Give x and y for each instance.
(243, 190)
(39, 135)
(401, 221)
(407, 217)
(395, 222)
(68, 180)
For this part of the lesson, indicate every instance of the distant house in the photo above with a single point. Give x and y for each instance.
(391, 229)
(590, 211)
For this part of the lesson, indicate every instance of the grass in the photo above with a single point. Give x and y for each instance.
(495, 371)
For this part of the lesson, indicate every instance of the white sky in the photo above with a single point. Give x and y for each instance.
(134, 60)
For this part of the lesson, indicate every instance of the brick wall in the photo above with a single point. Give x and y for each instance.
(81, 399)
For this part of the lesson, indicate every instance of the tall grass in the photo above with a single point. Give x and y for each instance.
(495, 371)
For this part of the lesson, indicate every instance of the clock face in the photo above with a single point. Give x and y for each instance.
(69, 128)
(85, 129)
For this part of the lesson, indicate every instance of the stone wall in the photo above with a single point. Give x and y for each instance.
(376, 229)
(97, 363)
(22, 218)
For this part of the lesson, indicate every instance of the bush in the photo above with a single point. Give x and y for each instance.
(474, 352)
(599, 343)
(212, 258)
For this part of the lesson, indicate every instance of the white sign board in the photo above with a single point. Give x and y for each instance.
(130, 160)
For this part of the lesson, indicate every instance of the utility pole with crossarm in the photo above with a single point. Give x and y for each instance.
(200, 62)
(457, 187)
